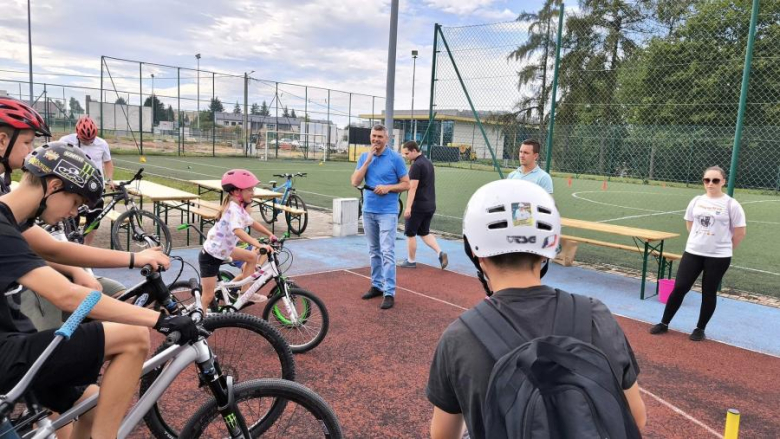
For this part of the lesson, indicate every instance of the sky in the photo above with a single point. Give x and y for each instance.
(331, 44)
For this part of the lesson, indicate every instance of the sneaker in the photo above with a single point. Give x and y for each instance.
(659, 328)
(443, 260)
(373, 292)
(407, 264)
(387, 302)
(257, 298)
(697, 335)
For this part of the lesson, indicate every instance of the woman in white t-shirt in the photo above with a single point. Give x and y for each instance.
(221, 241)
(716, 223)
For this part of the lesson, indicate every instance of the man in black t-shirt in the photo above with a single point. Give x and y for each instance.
(420, 205)
(59, 178)
(510, 227)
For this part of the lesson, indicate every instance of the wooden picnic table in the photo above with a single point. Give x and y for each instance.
(163, 198)
(648, 242)
(206, 186)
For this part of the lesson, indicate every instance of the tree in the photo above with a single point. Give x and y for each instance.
(171, 115)
(255, 110)
(237, 108)
(292, 114)
(75, 108)
(159, 109)
(285, 112)
(120, 101)
(216, 105)
(264, 111)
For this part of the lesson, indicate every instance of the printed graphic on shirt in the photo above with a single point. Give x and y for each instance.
(521, 214)
(705, 221)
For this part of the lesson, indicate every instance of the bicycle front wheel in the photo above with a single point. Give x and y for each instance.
(267, 212)
(297, 222)
(246, 348)
(301, 318)
(306, 414)
(129, 230)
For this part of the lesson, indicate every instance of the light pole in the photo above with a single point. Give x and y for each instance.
(414, 69)
(154, 104)
(197, 56)
(29, 46)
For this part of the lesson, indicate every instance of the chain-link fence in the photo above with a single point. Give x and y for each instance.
(648, 96)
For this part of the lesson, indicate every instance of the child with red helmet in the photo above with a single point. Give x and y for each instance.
(19, 126)
(234, 217)
(86, 138)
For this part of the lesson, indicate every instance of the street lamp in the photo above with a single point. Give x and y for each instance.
(197, 56)
(414, 68)
(154, 104)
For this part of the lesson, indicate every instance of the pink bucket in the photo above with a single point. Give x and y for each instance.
(665, 287)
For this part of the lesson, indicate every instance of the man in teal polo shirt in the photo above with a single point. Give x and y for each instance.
(529, 170)
(384, 172)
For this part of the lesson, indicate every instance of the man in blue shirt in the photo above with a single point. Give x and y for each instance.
(384, 171)
(529, 170)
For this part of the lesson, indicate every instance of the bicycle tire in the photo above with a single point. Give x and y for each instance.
(161, 420)
(296, 202)
(326, 423)
(267, 212)
(126, 221)
(298, 334)
(400, 207)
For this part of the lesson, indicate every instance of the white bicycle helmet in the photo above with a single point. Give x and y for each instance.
(510, 216)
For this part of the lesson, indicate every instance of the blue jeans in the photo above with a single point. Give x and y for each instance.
(380, 232)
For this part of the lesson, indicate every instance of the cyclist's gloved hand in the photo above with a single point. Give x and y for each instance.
(182, 324)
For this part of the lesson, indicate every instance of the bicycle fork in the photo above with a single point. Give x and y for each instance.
(222, 388)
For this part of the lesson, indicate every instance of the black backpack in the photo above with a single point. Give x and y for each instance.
(556, 386)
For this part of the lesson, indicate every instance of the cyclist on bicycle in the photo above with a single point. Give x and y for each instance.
(87, 139)
(234, 217)
(19, 125)
(57, 179)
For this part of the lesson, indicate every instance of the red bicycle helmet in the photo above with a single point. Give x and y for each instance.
(238, 179)
(86, 130)
(19, 116)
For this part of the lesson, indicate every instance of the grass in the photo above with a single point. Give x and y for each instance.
(657, 207)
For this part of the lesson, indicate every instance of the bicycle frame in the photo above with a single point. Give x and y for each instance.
(287, 187)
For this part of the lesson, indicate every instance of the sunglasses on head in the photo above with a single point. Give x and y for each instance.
(711, 180)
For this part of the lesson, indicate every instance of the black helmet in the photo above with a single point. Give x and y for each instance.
(71, 165)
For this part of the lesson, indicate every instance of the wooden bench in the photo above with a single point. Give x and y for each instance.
(646, 242)
(206, 212)
(284, 208)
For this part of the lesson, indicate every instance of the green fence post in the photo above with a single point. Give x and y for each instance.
(433, 86)
(140, 105)
(214, 117)
(548, 153)
(102, 61)
(743, 98)
(471, 105)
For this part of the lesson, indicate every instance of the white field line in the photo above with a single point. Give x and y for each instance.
(415, 292)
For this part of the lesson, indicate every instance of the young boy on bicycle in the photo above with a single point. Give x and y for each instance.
(58, 178)
(19, 125)
(234, 217)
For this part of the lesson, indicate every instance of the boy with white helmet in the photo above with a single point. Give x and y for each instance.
(511, 228)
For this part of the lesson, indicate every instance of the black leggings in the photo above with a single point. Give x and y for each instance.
(690, 268)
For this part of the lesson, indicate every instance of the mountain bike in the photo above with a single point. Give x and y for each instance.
(299, 315)
(269, 210)
(135, 226)
(247, 346)
(237, 421)
(369, 188)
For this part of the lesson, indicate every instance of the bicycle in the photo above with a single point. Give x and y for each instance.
(296, 222)
(299, 315)
(131, 222)
(35, 423)
(233, 339)
(369, 188)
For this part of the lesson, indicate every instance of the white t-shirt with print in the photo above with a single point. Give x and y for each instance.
(221, 240)
(98, 151)
(714, 220)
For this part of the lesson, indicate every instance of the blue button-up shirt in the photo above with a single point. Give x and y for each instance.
(385, 169)
(537, 175)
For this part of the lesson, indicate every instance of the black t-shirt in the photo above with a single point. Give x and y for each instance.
(17, 259)
(461, 366)
(425, 197)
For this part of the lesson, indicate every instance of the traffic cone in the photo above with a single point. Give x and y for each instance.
(142, 159)
(569, 182)
(604, 185)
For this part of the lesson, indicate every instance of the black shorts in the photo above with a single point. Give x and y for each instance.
(94, 213)
(419, 224)
(73, 366)
(209, 265)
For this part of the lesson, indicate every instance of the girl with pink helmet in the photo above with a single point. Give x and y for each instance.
(221, 241)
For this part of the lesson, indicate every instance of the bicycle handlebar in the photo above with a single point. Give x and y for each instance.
(287, 175)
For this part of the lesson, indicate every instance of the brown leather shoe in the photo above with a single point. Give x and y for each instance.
(373, 292)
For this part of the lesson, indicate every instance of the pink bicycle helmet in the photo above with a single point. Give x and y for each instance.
(238, 179)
